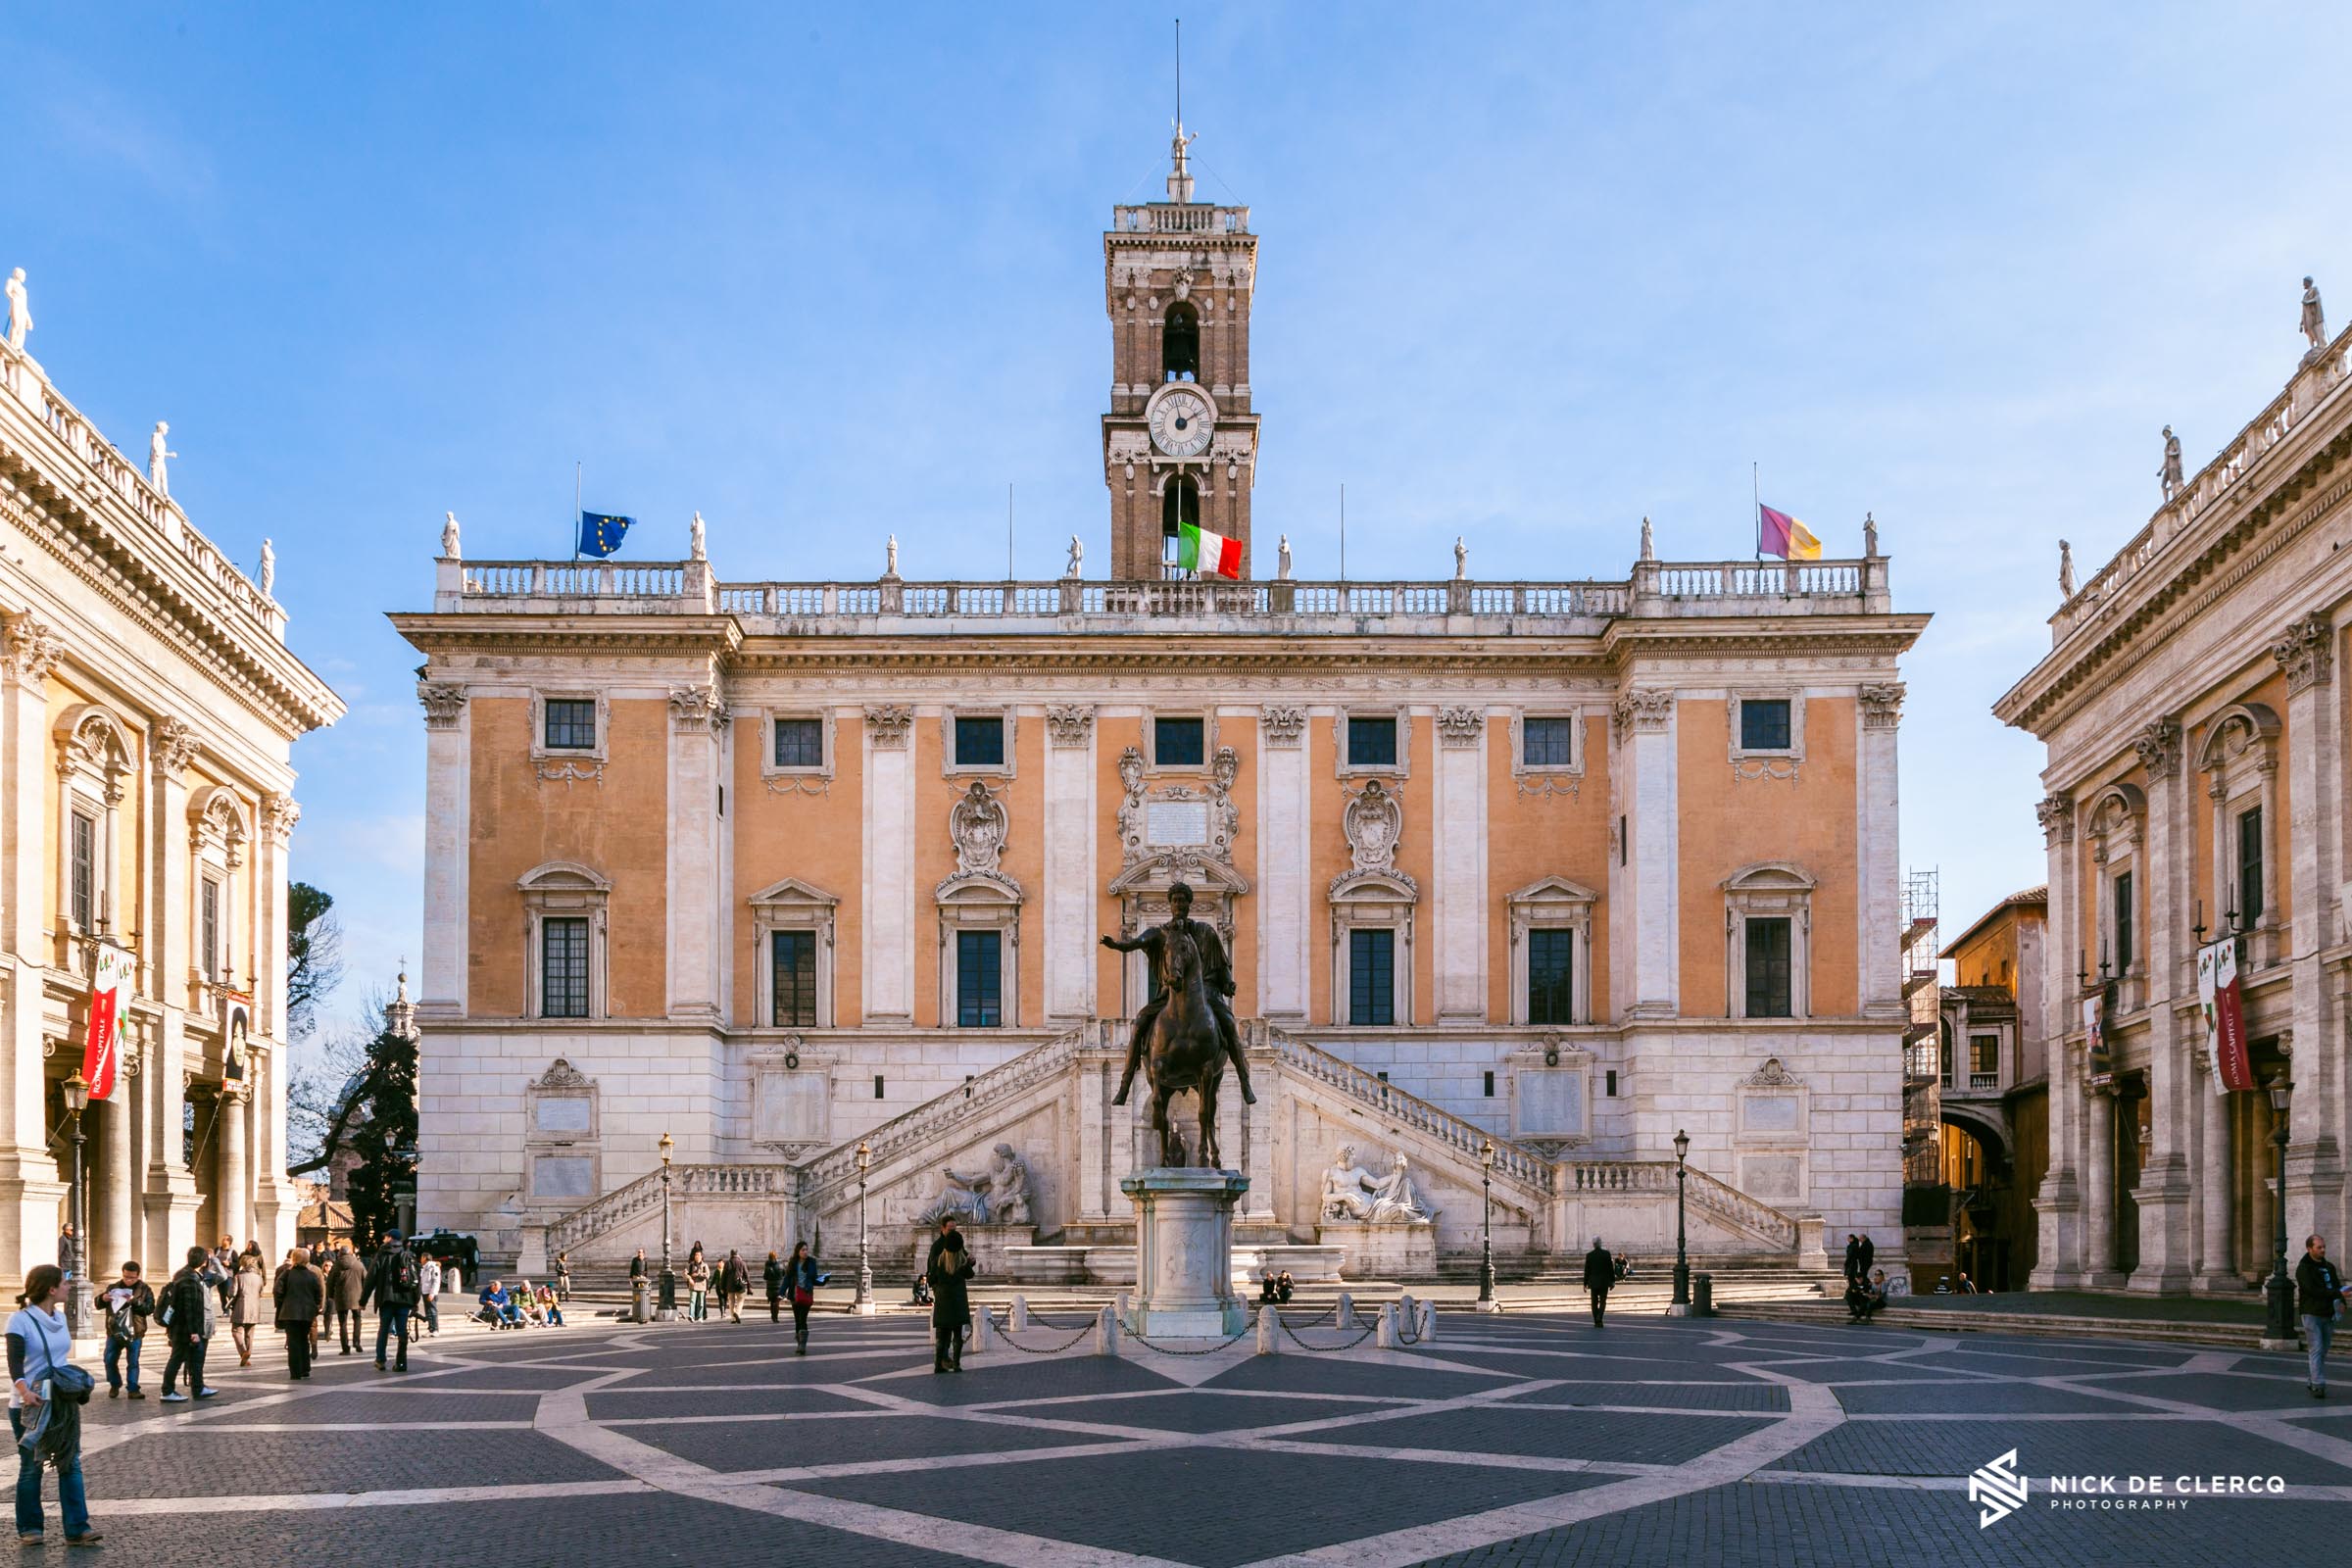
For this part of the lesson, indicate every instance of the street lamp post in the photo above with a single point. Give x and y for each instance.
(1486, 1239)
(865, 1263)
(79, 1306)
(667, 1309)
(2279, 1331)
(1680, 1306)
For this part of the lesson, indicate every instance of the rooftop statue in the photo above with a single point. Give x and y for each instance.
(20, 310)
(2314, 322)
(2169, 476)
(158, 472)
(1077, 565)
(694, 539)
(449, 536)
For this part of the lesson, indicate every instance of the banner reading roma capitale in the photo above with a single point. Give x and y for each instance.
(110, 980)
(2222, 1003)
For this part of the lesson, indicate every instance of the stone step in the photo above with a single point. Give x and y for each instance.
(1930, 1320)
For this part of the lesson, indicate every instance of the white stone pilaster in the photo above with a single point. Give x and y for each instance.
(2211, 1170)
(2315, 1171)
(698, 720)
(26, 870)
(1878, 849)
(2165, 1234)
(169, 1199)
(1070, 890)
(1285, 839)
(448, 831)
(1458, 813)
(2098, 1189)
(233, 1192)
(2057, 1203)
(888, 892)
(1651, 801)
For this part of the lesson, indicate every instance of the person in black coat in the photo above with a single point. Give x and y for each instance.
(1600, 1274)
(1853, 1258)
(797, 1279)
(949, 1266)
(300, 1294)
(2318, 1296)
(1870, 1255)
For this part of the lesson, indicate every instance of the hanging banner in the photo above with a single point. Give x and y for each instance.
(237, 1036)
(2223, 1001)
(110, 987)
(2094, 1022)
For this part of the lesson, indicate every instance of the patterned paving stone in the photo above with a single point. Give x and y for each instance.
(2217, 1391)
(439, 1408)
(849, 1440)
(1760, 1396)
(1213, 1507)
(2059, 1447)
(1971, 1398)
(1016, 1380)
(214, 1458)
(631, 1405)
(1198, 1412)
(1553, 1434)
(1314, 1374)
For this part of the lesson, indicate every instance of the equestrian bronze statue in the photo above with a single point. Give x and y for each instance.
(1186, 1034)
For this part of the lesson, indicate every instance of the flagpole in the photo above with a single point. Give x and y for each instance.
(575, 511)
(1756, 515)
(1008, 530)
(1343, 532)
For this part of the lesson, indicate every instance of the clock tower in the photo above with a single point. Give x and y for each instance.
(1180, 442)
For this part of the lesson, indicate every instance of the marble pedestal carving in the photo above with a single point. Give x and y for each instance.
(1382, 1251)
(1184, 1253)
(991, 1246)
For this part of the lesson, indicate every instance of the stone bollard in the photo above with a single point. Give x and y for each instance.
(1344, 1315)
(984, 1331)
(637, 1300)
(1106, 1332)
(1429, 1322)
(1269, 1330)
(1020, 1313)
(1383, 1327)
(1408, 1314)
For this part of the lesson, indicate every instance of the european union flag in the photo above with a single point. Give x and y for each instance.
(599, 534)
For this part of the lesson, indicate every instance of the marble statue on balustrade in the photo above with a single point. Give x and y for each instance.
(2314, 322)
(20, 310)
(890, 557)
(159, 475)
(449, 536)
(1869, 535)
(1461, 559)
(695, 550)
(1282, 553)
(1077, 565)
(996, 1193)
(1649, 541)
(269, 578)
(2170, 474)
(2066, 570)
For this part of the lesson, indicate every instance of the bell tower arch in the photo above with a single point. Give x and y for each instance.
(1180, 442)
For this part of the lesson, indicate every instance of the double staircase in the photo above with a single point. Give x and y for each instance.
(820, 1192)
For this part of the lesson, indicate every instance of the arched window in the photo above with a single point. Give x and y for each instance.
(1179, 504)
(1180, 343)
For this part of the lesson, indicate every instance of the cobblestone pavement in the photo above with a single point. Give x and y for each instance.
(1526, 1439)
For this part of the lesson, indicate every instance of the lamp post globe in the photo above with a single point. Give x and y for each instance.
(865, 1265)
(81, 1307)
(1680, 1306)
(2278, 1291)
(1486, 1236)
(665, 1308)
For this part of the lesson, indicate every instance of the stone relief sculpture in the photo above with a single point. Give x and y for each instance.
(2314, 322)
(1373, 823)
(2169, 476)
(20, 310)
(977, 824)
(996, 1193)
(449, 536)
(159, 475)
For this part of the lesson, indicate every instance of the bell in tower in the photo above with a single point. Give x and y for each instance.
(1180, 442)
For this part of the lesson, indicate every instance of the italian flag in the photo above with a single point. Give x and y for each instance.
(1198, 550)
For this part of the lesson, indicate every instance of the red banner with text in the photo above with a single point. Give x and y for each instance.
(101, 1050)
(2222, 1003)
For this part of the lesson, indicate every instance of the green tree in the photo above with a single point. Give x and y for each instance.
(381, 1119)
(314, 955)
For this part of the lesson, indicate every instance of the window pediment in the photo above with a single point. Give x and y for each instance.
(1374, 887)
(2239, 732)
(791, 892)
(564, 876)
(1770, 877)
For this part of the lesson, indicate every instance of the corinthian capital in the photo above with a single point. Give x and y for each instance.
(29, 651)
(2306, 651)
(443, 704)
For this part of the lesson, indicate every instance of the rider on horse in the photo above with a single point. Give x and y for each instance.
(1216, 970)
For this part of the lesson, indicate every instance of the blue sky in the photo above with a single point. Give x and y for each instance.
(1527, 273)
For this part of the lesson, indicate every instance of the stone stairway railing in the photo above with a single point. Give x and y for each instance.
(624, 1203)
(830, 1175)
(1514, 1167)
(1718, 1199)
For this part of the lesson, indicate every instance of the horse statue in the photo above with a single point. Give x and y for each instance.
(1185, 1049)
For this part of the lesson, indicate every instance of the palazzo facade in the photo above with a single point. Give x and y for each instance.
(148, 704)
(2194, 718)
(776, 869)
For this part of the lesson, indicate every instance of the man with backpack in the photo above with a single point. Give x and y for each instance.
(128, 1302)
(393, 1282)
(189, 1308)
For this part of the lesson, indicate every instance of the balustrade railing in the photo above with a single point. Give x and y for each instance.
(1512, 1163)
(1605, 1176)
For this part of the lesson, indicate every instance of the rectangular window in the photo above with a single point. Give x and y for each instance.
(1768, 967)
(794, 955)
(2249, 866)
(1371, 975)
(208, 928)
(1489, 1085)
(1179, 742)
(799, 743)
(979, 980)
(1551, 976)
(980, 742)
(2123, 921)
(564, 967)
(571, 725)
(1983, 1060)
(1609, 1085)
(1547, 743)
(877, 1090)
(1764, 724)
(85, 871)
(1371, 742)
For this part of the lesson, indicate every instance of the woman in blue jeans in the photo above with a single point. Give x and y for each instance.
(2318, 1296)
(39, 1342)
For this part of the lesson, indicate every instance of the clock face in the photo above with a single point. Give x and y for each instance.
(1181, 423)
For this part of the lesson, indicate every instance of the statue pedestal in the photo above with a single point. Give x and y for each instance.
(1184, 1253)
(1382, 1251)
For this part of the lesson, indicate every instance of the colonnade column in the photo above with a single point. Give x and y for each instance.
(2057, 1203)
(27, 1172)
(2213, 1185)
(169, 1199)
(232, 1197)
(2163, 1193)
(2099, 1188)
(112, 1238)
